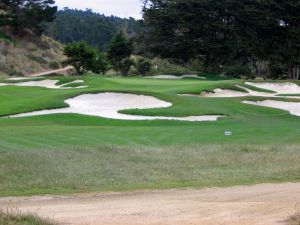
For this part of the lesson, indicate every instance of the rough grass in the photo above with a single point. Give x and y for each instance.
(107, 168)
(17, 218)
(294, 220)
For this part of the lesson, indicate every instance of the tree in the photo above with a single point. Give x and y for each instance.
(100, 64)
(119, 52)
(226, 32)
(27, 14)
(81, 56)
(143, 66)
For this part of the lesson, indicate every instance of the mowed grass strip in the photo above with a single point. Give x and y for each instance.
(115, 168)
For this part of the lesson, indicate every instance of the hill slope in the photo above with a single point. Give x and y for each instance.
(29, 54)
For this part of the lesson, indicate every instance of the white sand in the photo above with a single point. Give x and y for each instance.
(292, 107)
(173, 77)
(108, 105)
(22, 78)
(51, 84)
(282, 88)
(225, 93)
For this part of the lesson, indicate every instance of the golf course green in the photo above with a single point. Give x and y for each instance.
(66, 153)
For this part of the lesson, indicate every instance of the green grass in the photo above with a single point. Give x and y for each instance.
(72, 153)
(17, 218)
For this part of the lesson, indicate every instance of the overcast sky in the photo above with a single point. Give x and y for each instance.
(107, 7)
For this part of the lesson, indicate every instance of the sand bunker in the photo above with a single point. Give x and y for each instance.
(225, 93)
(108, 105)
(292, 107)
(282, 88)
(51, 84)
(173, 77)
(22, 78)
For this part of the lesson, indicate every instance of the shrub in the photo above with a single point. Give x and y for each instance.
(238, 71)
(54, 65)
(165, 66)
(143, 66)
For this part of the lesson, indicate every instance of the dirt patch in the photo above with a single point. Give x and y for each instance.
(265, 204)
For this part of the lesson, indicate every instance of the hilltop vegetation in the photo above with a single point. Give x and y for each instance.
(93, 28)
(250, 38)
(23, 48)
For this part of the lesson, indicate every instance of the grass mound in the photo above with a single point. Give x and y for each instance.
(17, 218)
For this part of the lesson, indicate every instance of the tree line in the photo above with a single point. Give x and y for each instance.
(235, 37)
(242, 36)
(97, 30)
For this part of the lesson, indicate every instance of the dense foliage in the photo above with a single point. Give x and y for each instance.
(85, 58)
(93, 28)
(260, 36)
(143, 66)
(26, 14)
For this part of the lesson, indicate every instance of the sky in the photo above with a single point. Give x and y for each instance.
(107, 7)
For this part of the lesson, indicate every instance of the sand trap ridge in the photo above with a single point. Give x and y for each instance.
(51, 84)
(108, 105)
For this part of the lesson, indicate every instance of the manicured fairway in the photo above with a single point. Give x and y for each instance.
(69, 153)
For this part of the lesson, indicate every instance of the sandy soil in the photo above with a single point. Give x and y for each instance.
(173, 77)
(292, 107)
(51, 84)
(108, 105)
(265, 204)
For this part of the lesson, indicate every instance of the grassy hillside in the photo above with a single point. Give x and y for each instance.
(71, 153)
(29, 54)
